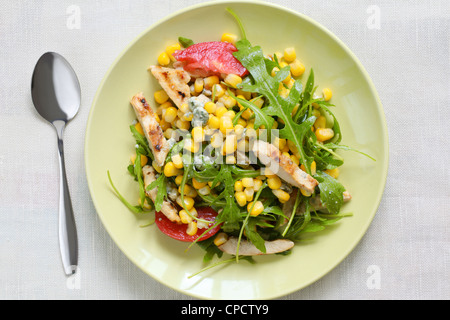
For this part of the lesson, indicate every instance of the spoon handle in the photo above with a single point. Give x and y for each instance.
(68, 240)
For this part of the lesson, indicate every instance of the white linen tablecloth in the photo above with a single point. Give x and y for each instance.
(405, 47)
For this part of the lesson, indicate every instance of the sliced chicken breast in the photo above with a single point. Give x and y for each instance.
(152, 130)
(283, 166)
(174, 82)
(246, 248)
(168, 208)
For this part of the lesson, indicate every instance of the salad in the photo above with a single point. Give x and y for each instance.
(237, 152)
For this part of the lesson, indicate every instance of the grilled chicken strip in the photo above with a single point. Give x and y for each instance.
(152, 130)
(174, 82)
(283, 166)
(246, 248)
(168, 208)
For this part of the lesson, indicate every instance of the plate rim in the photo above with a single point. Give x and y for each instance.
(380, 111)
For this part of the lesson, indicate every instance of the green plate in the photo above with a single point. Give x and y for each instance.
(109, 144)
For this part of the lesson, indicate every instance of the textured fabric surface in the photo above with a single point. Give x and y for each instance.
(406, 251)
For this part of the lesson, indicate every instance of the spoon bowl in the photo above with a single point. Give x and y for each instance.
(56, 95)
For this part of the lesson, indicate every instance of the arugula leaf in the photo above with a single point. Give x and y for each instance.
(139, 176)
(185, 42)
(239, 22)
(252, 58)
(135, 209)
(160, 185)
(331, 192)
(253, 235)
(141, 141)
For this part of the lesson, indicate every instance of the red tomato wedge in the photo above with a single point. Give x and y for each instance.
(178, 231)
(210, 58)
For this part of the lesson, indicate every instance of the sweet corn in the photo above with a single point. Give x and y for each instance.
(188, 191)
(255, 209)
(324, 134)
(274, 71)
(198, 134)
(241, 198)
(178, 179)
(170, 114)
(228, 101)
(279, 143)
(297, 68)
(220, 111)
(210, 107)
(313, 168)
(230, 159)
(274, 182)
(230, 145)
(184, 217)
(197, 184)
(139, 129)
(249, 192)
(257, 183)
(198, 85)
(183, 125)
(278, 55)
(144, 159)
(177, 161)
(233, 80)
(218, 91)
(333, 172)
(247, 114)
(229, 37)
(163, 59)
(170, 170)
(295, 159)
(225, 124)
(239, 131)
(220, 239)
(160, 96)
(327, 94)
(191, 146)
(258, 102)
(156, 167)
(247, 182)
(171, 49)
(187, 116)
(238, 186)
(192, 228)
(230, 114)
(209, 82)
(188, 202)
(282, 195)
(321, 122)
(268, 173)
(217, 140)
(214, 122)
(184, 108)
(305, 193)
(205, 190)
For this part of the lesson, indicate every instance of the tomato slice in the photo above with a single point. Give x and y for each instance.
(178, 231)
(210, 58)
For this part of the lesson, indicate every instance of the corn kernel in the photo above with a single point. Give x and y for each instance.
(249, 192)
(228, 101)
(297, 68)
(229, 37)
(188, 191)
(198, 134)
(139, 129)
(247, 114)
(327, 94)
(183, 125)
(220, 239)
(258, 102)
(187, 117)
(205, 190)
(198, 85)
(218, 91)
(156, 167)
(209, 82)
(197, 184)
(214, 122)
(188, 202)
(238, 186)
(282, 195)
(171, 49)
(333, 172)
(163, 59)
(230, 114)
(192, 228)
(184, 108)
(255, 209)
(230, 145)
(191, 146)
(295, 159)
(178, 179)
(278, 55)
(268, 173)
(324, 134)
(170, 114)
(184, 217)
(170, 170)
(233, 80)
(241, 198)
(225, 124)
(210, 107)
(305, 193)
(321, 122)
(257, 183)
(177, 161)
(220, 111)
(144, 159)
(313, 168)
(217, 140)
(230, 159)
(289, 54)
(160, 96)
(247, 182)
(274, 182)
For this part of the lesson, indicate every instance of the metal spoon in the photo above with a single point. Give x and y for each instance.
(56, 96)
